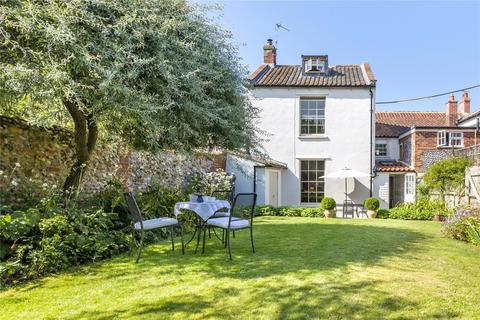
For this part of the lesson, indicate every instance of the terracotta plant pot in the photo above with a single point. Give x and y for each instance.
(329, 213)
(438, 217)
(371, 214)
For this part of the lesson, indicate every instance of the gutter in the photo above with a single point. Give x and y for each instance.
(371, 139)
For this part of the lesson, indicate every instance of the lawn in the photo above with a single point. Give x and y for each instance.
(304, 268)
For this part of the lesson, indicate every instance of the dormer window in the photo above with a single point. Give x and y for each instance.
(315, 64)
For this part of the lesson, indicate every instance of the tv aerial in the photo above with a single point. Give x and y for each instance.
(278, 27)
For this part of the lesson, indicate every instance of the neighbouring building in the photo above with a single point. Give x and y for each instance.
(407, 143)
(319, 118)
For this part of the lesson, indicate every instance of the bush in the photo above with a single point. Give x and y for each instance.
(372, 204)
(285, 211)
(422, 209)
(463, 225)
(328, 203)
(207, 182)
(54, 235)
(383, 214)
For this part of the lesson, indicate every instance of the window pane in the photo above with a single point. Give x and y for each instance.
(312, 112)
(312, 184)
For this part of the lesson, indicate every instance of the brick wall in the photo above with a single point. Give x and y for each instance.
(426, 152)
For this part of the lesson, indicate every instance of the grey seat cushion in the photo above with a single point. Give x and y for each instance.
(223, 223)
(156, 223)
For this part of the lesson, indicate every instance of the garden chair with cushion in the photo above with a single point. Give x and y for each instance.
(140, 225)
(224, 212)
(241, 217)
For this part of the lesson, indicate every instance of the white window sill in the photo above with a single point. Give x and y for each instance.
(450, 147)
(313, 137)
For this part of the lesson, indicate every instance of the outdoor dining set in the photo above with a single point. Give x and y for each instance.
(219, 212)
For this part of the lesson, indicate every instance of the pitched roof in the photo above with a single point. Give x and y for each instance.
(392, 166)
(393, 123)
(293, 76)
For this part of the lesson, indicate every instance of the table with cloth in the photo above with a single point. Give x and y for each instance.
(204, 211)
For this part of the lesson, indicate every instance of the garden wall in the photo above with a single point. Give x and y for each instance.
(33, 155)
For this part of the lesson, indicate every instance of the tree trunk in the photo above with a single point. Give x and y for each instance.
(85, 138)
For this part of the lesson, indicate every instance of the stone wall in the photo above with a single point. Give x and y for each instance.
(33, 155)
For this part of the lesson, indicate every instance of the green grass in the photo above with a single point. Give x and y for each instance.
(304, 268)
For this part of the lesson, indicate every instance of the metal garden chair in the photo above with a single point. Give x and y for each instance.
(223, 195)
(241, 217)
(348, 208)
(140, 225)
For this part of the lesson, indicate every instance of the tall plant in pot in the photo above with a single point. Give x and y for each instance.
(328, 204)
(372, 205)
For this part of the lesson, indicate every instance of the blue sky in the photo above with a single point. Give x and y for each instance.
(414, 48)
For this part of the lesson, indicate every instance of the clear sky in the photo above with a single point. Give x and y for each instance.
(414, 48)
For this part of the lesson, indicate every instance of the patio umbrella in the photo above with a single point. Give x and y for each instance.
(346, 173)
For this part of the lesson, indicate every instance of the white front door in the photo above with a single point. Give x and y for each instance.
(273, 187)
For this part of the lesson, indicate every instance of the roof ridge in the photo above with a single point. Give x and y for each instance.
(407, 111)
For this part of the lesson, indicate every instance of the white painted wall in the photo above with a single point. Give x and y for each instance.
(346, 141)
(393, 148)
(243, 171)
(381, 189)
(469, 123)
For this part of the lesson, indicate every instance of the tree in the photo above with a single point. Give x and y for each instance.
(156, 74)
(447, 175)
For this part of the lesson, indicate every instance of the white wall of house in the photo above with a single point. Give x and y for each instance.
(346, 141)
(469, 123)
(393, 148)
(381, 189)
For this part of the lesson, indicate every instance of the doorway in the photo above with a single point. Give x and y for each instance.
(273, 188)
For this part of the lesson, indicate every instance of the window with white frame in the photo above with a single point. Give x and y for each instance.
(312, 183)
(449, 139)
(312, 116)
(456, 139)
(314, 65)
(409, 184)
(381, 149)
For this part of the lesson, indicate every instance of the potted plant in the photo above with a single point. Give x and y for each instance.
(328, 204)
(372, 205)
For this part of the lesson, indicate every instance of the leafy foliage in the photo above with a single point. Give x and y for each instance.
(422, 209)
(372, 204)
(328, 203)
(158, 74)
(207, 182)
(284, 211)
(447, 175)
(464, 225)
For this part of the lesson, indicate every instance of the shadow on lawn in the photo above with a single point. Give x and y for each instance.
(298, 250)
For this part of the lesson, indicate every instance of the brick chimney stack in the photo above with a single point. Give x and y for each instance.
(464, 105)
(270, 53)
(451, 111)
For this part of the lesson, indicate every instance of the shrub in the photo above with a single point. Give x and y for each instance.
(422, 209)
(285, 211)
(207, 182)
(463, 225)
(328, 203)
(372, 204)
(383, 214)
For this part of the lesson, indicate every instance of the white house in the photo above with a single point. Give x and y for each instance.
(319, 118)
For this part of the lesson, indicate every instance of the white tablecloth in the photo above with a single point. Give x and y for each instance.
(203, 209)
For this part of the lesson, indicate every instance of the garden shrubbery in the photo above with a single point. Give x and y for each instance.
(422, 209)
(464, 225)
(56, 234)
(267, 210)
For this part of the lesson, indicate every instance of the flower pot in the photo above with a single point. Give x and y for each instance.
(438, 217)
(329, 213)
(371, 214)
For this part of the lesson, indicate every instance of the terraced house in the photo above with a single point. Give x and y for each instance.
(407, 143)
(319, 118)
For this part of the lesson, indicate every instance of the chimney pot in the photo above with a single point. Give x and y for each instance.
(464, 105)
(270, 53)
